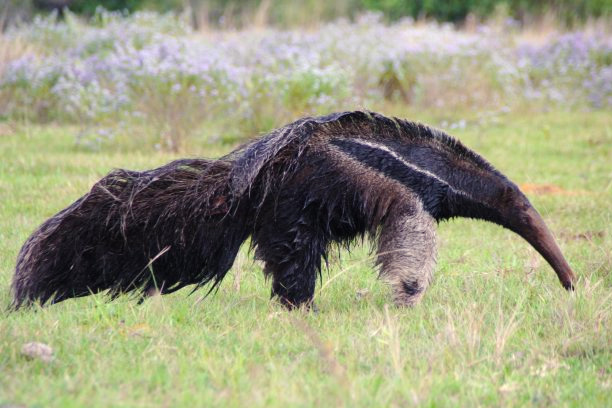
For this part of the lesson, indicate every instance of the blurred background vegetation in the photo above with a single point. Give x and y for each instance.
(290, 13)
(173, 70)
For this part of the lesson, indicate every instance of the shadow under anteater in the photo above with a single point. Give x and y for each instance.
(295, 192)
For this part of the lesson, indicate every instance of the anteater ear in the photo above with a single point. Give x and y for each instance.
(510, 198)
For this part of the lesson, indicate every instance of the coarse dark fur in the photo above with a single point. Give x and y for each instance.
(294, 191)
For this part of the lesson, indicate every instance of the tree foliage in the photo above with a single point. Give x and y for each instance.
(283, 11)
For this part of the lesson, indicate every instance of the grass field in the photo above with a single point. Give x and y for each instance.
(495, 328)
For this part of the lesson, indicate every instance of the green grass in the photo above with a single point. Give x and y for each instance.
(495, 328)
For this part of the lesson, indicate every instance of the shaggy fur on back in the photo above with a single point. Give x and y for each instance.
(295, 191)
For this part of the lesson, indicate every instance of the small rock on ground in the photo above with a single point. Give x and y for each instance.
(35, 350)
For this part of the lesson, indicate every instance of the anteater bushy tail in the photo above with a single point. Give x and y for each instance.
(177, 215)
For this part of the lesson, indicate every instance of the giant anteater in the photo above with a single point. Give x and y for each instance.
(294, 191)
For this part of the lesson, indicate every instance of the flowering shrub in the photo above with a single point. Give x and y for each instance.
(573, 69)
(155, 69)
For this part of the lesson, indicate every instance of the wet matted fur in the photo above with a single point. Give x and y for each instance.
(295, 192)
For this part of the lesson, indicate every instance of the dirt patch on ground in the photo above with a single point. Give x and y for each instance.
(548, 189)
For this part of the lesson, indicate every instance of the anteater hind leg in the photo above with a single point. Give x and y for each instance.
(407, 253)
(292, 259)
(293, 284)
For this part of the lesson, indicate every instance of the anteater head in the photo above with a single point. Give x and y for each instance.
(450, 179)
(518, 215)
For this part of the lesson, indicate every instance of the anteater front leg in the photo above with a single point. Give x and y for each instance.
(407, 253)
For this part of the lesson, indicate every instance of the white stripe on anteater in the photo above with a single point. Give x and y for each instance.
(407, 245)
(413, 166)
